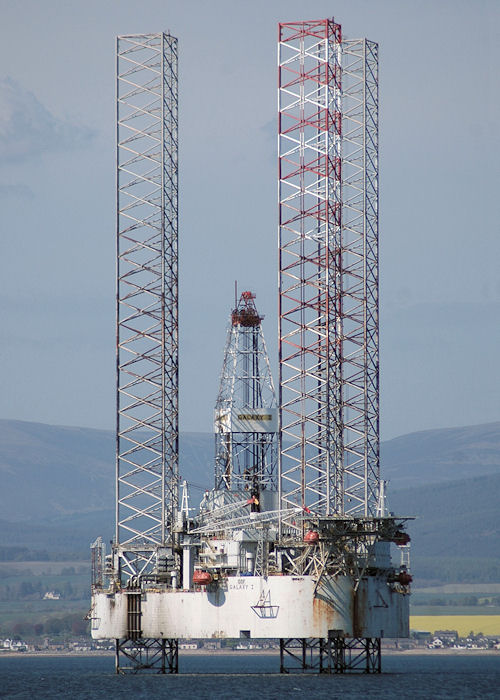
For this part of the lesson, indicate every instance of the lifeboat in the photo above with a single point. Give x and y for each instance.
(202, 578)
(401, 538)
(311, 537)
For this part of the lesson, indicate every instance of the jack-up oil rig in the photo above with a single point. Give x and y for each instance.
(293, 542)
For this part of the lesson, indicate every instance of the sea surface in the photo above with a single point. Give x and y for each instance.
(234, 676)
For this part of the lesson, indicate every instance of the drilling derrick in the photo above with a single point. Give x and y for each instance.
(246, 411)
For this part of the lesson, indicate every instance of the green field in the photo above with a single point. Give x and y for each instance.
(24, 613)
(39, 610)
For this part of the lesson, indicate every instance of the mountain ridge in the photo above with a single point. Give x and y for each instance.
(56, 470)
(58, 485)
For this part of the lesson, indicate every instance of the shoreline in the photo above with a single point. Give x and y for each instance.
(249, 652)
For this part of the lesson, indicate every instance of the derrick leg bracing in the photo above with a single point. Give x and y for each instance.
(147, 655)
(331, 655)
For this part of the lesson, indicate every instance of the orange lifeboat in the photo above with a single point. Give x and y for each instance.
(404, 578)
(202, 578)
(311, 537)
(401, 538)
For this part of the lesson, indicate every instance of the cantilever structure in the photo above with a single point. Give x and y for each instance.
(300, 553)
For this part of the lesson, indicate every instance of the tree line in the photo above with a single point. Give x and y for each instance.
(71, 624)
(36, 589)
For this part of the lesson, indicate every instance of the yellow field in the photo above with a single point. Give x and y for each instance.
(487, 624)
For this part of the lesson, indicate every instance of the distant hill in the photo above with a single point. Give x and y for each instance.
(57, 537)
(48, 470)
(460, 518)
(435, 456)
(57, 491)
(450, 480)
(456, 533)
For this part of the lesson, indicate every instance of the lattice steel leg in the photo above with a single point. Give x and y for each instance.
(302, 655)
(147, 655)
(331, 655)
(147, 328)
(358, 655)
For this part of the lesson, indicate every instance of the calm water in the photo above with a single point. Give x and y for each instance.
(208, 677)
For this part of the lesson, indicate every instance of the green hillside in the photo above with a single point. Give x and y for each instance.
(456, 534)
(436, 456)
(48, 471)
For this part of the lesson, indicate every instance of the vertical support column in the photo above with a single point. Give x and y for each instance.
(360, 314)
(146, 333)
(333, 655)
(147, 656)
(328, 279)
(310, 333)
(147, 291)
(301, 655)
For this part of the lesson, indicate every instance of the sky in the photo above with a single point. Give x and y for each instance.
(439, 183)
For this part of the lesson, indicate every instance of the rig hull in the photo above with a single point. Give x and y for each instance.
(255, 607)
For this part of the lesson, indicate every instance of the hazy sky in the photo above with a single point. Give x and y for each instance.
(440, 278)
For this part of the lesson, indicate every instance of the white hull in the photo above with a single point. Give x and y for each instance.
(251, 606)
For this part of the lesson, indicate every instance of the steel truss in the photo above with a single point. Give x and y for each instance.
(328, 278)
(309, 218)
(360, 319)
(336, 654)
(147, 290)
(345, 546)
(98, 560)
(147, 656)
(245, 456)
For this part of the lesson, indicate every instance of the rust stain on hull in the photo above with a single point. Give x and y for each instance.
(323, 614)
